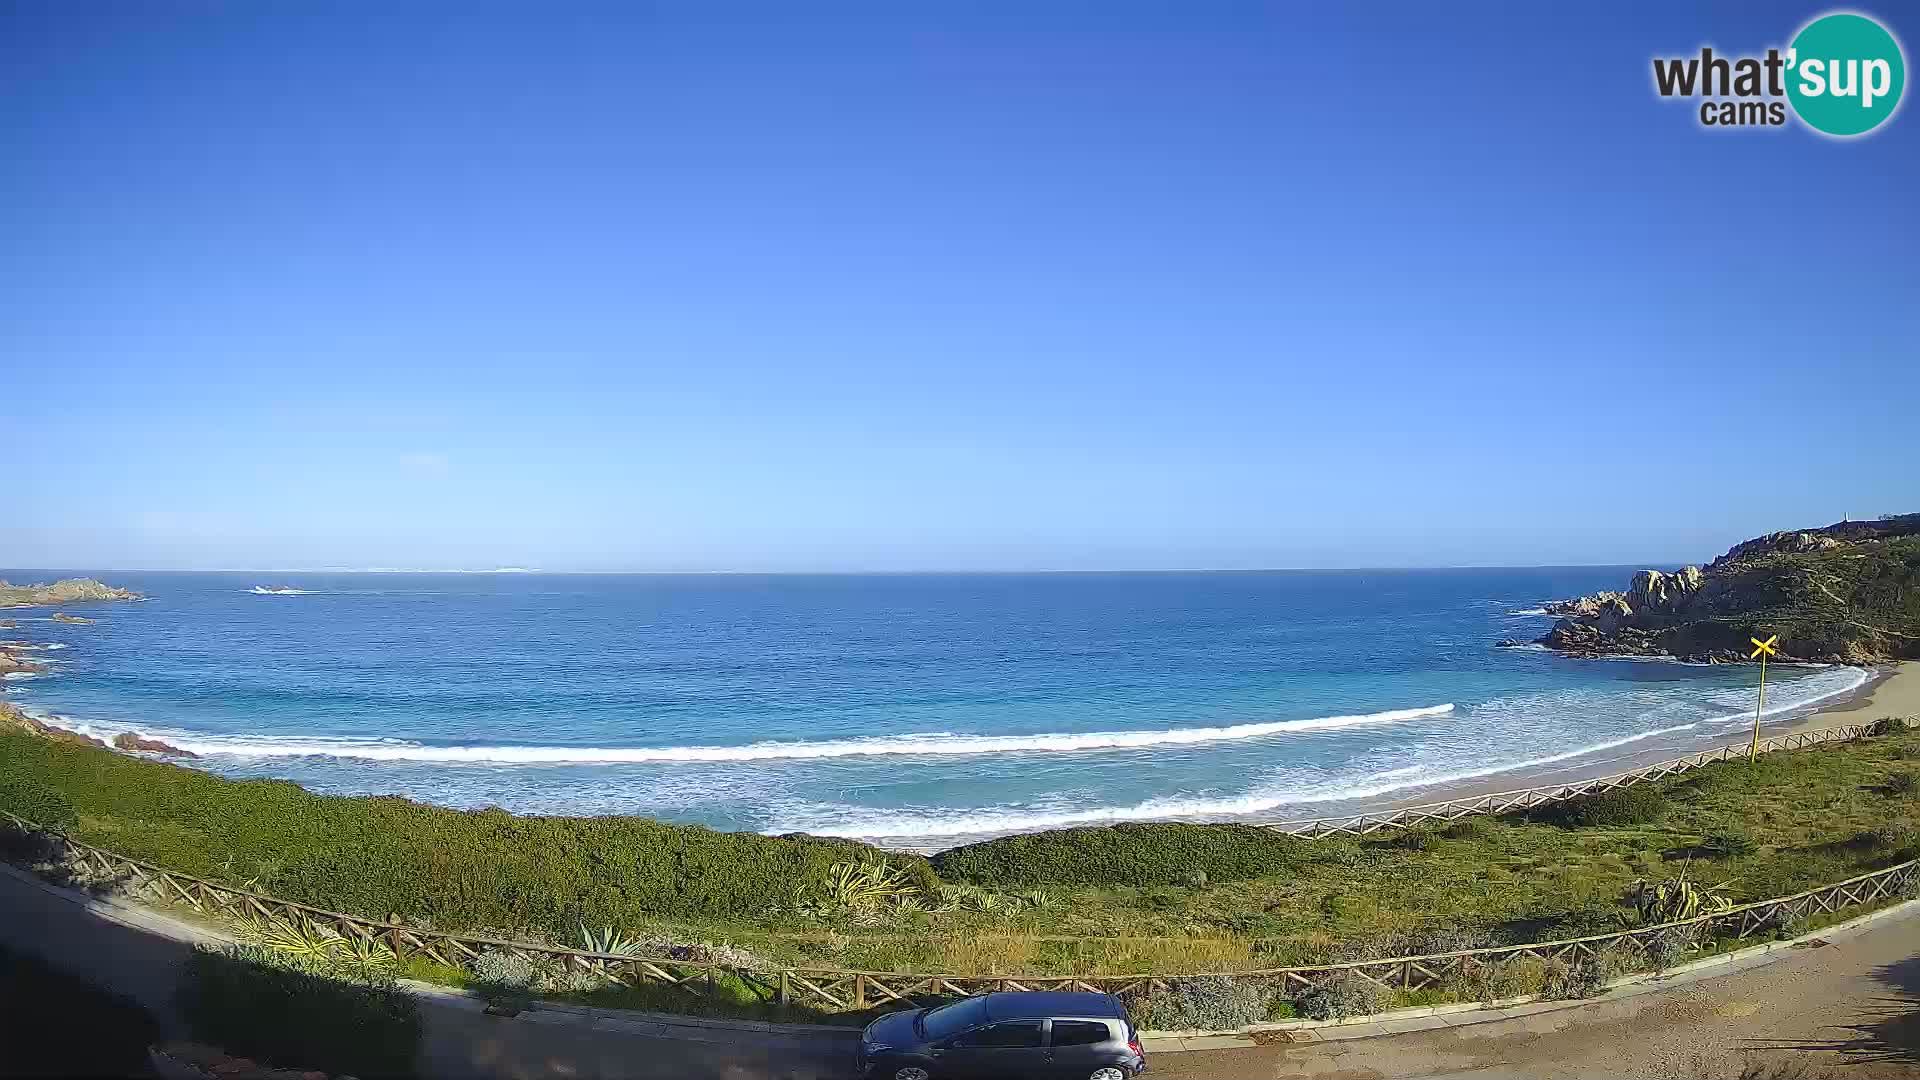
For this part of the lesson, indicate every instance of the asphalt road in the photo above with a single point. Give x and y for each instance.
(1850, 1009)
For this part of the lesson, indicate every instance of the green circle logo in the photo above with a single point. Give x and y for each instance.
(1845, 73)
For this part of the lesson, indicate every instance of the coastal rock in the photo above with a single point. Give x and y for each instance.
(1581, 607)
(12, 717)
(1824, 592)
(64, 591)
(1790, 543)
(127, 740)
(8, 624)
(1654, 593)
(11, 664)
(75, 620)
(1611, 614)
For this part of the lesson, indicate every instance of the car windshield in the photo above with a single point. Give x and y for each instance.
(951, 1019)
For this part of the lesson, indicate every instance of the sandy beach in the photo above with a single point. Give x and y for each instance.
(1893, 691)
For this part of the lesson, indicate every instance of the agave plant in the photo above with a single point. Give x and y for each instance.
(299, 940)
(864, 885)
(609, 941)
(365, 956)
(1677, 899)
(1038, 898)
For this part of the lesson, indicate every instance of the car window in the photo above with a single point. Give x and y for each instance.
(1079, 1033)
(947, 1019)
(1009, 1034)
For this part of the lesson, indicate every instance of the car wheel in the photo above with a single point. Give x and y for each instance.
(915, 1072)
(1108, 1072)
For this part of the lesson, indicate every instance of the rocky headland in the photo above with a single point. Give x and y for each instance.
(66, 591)
(1847, 593)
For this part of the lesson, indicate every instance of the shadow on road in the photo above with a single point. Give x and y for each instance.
(1885, 1042)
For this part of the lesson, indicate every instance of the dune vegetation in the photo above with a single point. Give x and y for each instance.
(1132, 898)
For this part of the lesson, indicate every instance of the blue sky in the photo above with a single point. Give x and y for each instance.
(839, 287)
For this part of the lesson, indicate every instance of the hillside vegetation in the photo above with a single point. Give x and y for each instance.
(1149, 897)
(370, 856)
(1847, 593)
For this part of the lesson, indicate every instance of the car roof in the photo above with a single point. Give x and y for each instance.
(1039, 1004)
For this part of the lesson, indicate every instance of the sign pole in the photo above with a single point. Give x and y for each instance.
(1761, 649)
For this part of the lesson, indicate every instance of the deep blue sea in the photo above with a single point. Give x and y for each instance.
(916, 709)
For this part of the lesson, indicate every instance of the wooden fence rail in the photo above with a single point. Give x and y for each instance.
(841, 990)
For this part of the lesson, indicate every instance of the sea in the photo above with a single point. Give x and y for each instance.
(912, 710)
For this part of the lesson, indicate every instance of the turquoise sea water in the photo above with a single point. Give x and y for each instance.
(917, 709)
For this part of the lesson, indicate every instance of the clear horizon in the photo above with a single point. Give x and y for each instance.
(879, 290)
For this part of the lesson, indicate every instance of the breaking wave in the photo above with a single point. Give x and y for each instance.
(927, 745)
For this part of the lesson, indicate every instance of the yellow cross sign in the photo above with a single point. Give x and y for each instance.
(1761, 650)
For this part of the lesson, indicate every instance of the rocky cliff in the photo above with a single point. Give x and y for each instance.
(1847, 593)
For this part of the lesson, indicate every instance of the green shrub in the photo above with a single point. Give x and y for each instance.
(1205, 1003)
(505, 978)
(29, 798)
(454, 870)
(1342, 995)
(1584, 977)
(1412, 840)
(247, 1002)
(1728, 843)
(1886, 836)
(1641, 804)
(1477, 827)
(1166, 853)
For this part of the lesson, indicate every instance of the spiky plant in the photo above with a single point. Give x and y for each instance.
(299, 941)
(859, 886)
(610, 941)
(365, 956)
(1677, 899)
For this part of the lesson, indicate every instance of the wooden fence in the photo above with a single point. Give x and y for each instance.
(830, 990)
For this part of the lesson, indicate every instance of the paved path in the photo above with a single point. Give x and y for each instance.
(1850, 1009)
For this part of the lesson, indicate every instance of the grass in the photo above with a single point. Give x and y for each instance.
(1791, 821)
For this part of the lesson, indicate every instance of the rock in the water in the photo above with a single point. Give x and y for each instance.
(11, 664)
(66, 591)
(127, 740)
(75, 620)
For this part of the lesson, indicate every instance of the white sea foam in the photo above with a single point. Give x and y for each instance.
(943, 823)
(1529, 611)
(939, 822)
(47, 646)
(926, 745)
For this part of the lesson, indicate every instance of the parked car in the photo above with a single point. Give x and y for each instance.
(1007, 1036)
